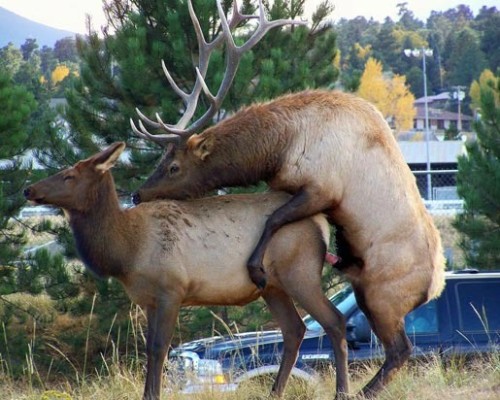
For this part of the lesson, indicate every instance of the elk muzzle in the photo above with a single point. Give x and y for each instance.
(30, 195)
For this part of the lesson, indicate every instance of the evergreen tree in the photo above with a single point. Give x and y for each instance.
(466, 60)
(478, 182)
(11, 59)
(488, 24)
(25, 122)
(386, 48)
(17, 106)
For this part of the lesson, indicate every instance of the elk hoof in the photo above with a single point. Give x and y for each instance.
(258, 276)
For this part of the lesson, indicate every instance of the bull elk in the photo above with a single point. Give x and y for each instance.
(169, 254)
(333, 152)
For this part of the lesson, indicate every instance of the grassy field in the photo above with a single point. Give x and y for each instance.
(479, 380)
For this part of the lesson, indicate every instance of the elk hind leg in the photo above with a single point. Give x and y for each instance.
(333, 322)
(292, 327)
(388, 324)
(304, 203)
(397, 352)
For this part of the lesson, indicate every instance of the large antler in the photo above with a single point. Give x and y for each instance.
(233, 57)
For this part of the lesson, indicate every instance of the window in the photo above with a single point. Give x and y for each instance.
(422, 320)
(478, 306)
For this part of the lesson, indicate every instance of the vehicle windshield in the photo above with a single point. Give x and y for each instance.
(344, 300)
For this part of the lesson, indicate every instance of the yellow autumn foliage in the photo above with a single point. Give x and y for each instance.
(487, 78)
(390, 95)
(362, 52)
(401, 104)
(410, 39)
(60, 72)
(373, 87)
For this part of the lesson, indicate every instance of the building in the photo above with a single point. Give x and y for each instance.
(443, 160)
(440, 119)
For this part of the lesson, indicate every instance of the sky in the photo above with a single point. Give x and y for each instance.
(70, 14)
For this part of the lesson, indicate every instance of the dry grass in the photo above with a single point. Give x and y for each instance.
(420, 381)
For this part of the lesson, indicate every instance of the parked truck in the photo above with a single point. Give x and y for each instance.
(463, 321)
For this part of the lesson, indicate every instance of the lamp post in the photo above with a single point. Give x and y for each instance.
(423, 52)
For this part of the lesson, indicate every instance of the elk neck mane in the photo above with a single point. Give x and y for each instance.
(244, 156)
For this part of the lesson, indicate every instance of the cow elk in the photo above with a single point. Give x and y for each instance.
(169, 254)
(334, 153)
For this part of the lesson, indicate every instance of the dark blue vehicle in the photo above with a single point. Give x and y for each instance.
(464, 320)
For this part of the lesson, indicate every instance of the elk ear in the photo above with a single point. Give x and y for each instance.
(201, 146)
(108, 157)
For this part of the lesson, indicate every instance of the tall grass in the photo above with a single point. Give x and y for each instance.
(422, 380)
(120, 378)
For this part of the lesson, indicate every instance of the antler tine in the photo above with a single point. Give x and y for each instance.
(181, 93)
(233, 58)
(264, 26)
(234, 54)
(162, 140)
(205, 49)
(146, 119)
(174, 131)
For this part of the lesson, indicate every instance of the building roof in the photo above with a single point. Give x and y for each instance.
(445, 96)
(446, 152)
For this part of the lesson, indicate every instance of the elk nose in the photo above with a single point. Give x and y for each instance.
(136, 198)
(27, 192)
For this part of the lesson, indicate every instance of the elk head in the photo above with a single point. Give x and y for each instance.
(75, 187)
(185, 152)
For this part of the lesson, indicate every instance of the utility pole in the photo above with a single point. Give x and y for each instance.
(459, 95)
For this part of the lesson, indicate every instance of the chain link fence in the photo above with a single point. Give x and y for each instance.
(438, 188)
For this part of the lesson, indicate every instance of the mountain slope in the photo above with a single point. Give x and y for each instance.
(16, 29)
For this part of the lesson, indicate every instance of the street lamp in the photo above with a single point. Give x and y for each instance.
(423, 52)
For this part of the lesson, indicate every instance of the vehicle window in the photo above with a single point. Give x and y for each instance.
(422, 320)
(478, 306)
(344, 300)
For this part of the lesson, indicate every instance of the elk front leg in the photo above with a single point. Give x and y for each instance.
(304, 203)
(161, 323)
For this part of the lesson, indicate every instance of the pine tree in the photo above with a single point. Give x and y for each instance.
(17, 106)
(466, 60)
(25, 122)
(478, 182)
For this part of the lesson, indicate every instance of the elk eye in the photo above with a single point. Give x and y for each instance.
(174, 168)
(68, 178)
